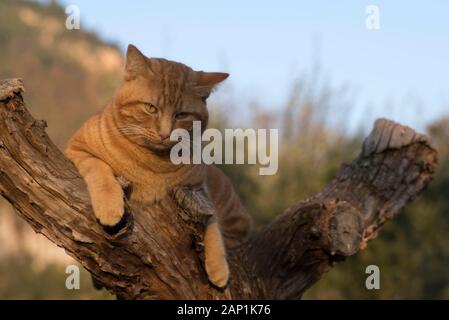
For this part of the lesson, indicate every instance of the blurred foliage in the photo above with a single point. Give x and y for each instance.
(36, 46)
(411, 251)
(20, 279)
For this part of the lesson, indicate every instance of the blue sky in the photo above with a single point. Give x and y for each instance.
(266, 44)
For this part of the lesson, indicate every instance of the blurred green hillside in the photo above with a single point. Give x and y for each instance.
(412, 251)
(70, 75)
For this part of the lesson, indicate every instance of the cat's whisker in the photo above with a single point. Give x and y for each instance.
(138, 132)
(114, 132)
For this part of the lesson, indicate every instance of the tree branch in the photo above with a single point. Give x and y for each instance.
(159, 254)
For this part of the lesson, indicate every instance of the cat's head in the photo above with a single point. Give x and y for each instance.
(158, 96)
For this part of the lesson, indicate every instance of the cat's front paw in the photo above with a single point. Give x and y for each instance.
(119, 226)
(218, 272)
(112, 216)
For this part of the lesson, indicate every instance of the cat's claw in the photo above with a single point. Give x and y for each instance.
(119, 226)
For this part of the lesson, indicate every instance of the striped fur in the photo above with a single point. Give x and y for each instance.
(130, 138)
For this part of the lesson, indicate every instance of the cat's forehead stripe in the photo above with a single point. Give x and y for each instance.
(173, 84)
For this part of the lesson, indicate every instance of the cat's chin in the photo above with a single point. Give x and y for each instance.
(159, 148)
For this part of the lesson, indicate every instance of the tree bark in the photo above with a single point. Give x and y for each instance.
(159, 254)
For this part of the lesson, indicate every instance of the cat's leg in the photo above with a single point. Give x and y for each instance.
(106, 193)
(217, 268)
(235, 222)
(197, 201)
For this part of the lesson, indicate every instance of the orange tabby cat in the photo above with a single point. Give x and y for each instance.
(131, 138)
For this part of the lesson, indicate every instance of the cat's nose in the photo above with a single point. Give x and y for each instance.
(164, 134)
(165, 128)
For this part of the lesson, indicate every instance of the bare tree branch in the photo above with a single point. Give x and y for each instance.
(159, 254)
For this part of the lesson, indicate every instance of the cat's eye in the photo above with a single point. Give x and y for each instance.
(149, 107)
(182, 115)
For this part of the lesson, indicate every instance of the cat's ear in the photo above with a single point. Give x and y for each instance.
(210, 79)
(206, 81)
(136, 63)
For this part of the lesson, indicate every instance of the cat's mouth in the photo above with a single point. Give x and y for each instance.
(161, 147)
